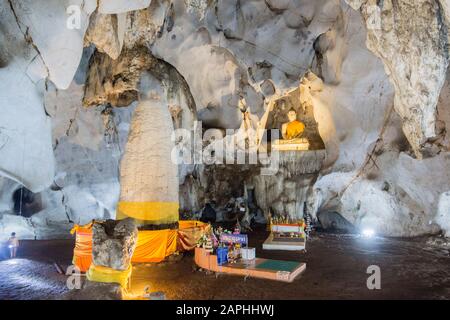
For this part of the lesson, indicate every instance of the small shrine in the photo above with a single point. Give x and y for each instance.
(286, 234)
(300, 146)
(227, 252)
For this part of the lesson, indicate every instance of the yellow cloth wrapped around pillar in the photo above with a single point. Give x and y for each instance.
(294, 129)
(148, 212)
(154, 246)
(109, 275)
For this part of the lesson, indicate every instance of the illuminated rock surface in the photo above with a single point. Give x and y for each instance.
(382, 108)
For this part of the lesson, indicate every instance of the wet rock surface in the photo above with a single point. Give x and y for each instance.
(336, 268)
(32, 275)
(96, 291)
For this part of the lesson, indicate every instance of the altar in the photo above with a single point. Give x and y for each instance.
(299, 144)
(286, 236)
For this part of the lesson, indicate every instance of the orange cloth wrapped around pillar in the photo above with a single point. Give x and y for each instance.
(82, 254)
(152, 246)
(189, 233)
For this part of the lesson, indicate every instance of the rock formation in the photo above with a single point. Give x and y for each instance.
(113, 245)
(380, 102)
(412, 41)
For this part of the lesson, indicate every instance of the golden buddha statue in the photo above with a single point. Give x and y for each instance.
(291, 132)
(294, 128)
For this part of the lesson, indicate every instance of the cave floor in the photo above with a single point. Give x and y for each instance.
(336, 269)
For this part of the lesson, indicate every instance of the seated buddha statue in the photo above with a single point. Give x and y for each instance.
(292, 135)
(294, 128)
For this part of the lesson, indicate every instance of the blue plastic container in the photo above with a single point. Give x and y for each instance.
(222, 256)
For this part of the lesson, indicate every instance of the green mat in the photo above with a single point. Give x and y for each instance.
(278, 265)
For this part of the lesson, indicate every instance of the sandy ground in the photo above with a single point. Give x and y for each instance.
(336, 269)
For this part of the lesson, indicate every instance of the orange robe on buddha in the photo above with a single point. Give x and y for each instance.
(294, 129)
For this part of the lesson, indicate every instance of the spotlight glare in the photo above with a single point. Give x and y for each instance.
(368, 233)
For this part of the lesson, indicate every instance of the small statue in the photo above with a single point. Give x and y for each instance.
(237, 228)
(294, 128)
(110, 126)
(208, 246)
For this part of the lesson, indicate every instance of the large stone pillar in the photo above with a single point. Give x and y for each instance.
(148, 177)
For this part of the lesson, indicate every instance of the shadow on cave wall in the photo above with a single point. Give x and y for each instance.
(334, 222)
(26, 203)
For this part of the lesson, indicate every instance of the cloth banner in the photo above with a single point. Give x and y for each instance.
(82, 254)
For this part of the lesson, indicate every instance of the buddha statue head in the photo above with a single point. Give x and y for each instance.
(292, 115)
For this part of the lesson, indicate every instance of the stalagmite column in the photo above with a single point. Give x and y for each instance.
(148, 177)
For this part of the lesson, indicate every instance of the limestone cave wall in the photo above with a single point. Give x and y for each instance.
(382, 109)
